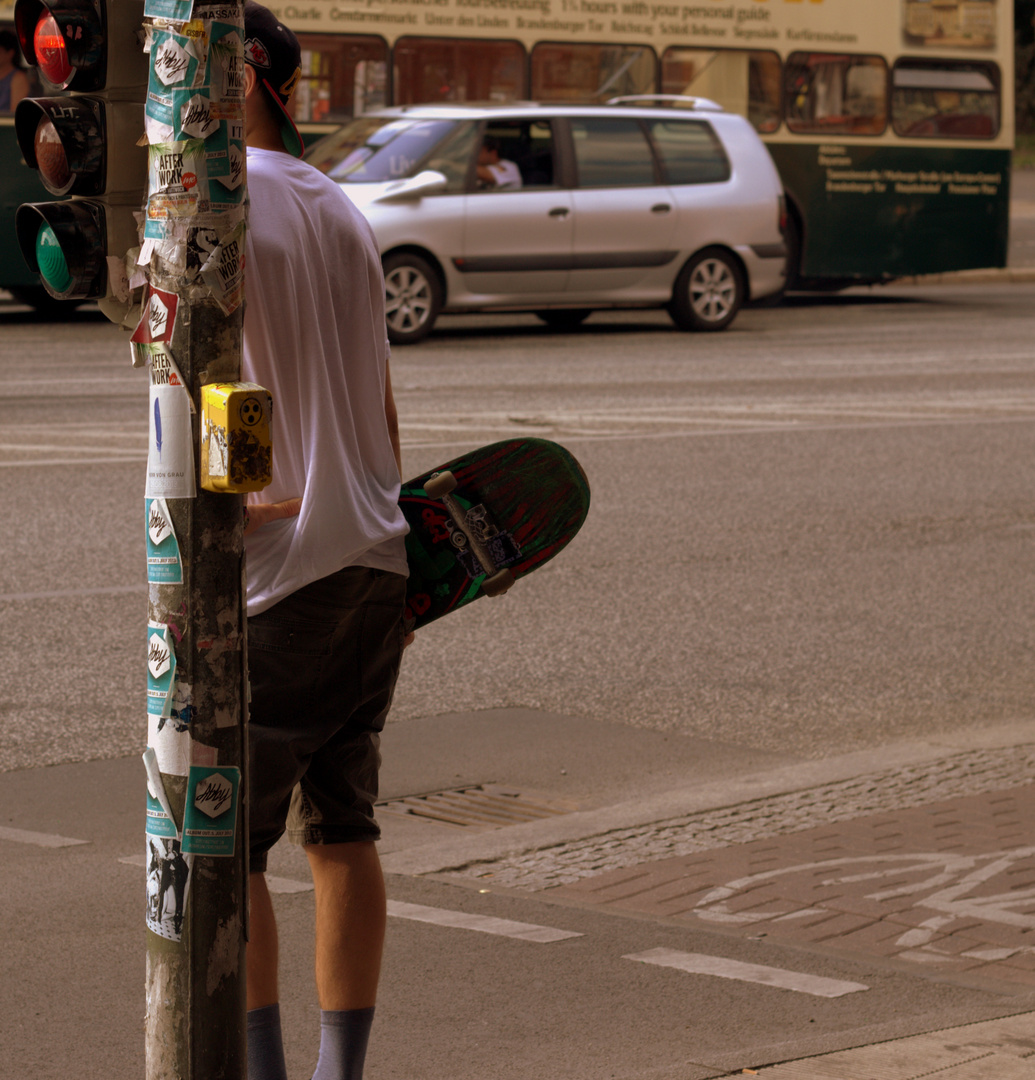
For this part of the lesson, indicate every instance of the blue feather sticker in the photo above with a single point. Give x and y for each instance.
(158, 427)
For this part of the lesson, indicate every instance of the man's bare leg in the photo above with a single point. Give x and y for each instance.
(350, 932)
(350, 923)
(265, 1043)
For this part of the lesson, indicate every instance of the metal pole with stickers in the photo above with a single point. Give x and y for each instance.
(209, 442)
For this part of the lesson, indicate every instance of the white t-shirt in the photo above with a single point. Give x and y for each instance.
(505, 174)
(314, 336)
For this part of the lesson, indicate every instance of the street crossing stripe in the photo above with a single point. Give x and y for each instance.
(274, 884)
(287, 885)
(697, 964)
(22, 836)
(463, 920)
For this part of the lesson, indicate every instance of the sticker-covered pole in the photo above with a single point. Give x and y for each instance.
(190, 335)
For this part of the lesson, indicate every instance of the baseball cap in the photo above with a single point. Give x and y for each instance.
(273, 51)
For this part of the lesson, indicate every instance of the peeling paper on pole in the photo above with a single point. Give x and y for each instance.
(175, 749)
(161, 821)
(177, 183)
(170, 448)
(226, 149)
(162, 367)
(172, 10)
(168, 886)
(178, 70)
(224, 270)
(159, 318)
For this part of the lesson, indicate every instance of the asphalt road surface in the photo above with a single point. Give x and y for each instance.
(808, 534)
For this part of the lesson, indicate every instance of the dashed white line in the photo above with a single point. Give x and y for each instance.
(463, 920)
(721, 968)
(23, 836)
(692, 963)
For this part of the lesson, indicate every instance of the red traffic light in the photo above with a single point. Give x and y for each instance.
(65, 40)
(49, 46)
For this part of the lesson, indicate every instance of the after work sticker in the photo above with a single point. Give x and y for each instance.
(210, 819)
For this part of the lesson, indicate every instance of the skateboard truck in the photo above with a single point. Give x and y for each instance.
(440, 486)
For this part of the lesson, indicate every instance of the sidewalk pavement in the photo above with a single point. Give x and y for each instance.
(949, 886)
(919, 858)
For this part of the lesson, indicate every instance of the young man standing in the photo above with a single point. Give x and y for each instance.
(326, 563)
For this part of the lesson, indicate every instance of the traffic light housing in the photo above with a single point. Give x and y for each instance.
(84, 144)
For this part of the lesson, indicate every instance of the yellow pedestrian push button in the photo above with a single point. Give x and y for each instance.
(236, 438)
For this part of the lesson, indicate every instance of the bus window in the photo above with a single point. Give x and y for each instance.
(945, 99)
(591, 72)
(836, 95)
(741, 81)
(341, 78)
(455, 69)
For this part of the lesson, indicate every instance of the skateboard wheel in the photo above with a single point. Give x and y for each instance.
(440, 484)
(498, 583)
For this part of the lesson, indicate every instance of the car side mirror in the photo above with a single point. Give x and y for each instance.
(428, 182)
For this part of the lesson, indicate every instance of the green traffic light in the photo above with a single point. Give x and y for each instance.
(51, 260)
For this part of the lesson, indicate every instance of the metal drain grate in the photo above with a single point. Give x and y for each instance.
(484, 805)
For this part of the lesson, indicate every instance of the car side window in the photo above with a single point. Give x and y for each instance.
(690, 152)
(612, 152)
(515, 155)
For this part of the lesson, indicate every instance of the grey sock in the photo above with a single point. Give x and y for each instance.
(343, 1044)
(265, 1044)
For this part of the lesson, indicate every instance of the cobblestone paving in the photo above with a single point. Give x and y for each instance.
(971, 773)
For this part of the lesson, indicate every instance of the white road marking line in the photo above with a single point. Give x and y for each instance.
(462, 920)
(721, 968)
(22, 836)
(287, 885)
(122, 460)
(61, 594)
(274, 884)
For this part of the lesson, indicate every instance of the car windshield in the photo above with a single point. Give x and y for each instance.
(374, 148)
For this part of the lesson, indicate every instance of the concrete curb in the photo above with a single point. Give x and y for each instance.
(1012, 275)
(992, 1048)
(515, 840)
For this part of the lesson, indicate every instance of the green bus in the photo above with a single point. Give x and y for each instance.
(890, 121)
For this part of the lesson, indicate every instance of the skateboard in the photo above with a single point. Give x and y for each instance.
(485, 519)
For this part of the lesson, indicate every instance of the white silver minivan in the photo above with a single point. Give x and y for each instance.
(642, 202)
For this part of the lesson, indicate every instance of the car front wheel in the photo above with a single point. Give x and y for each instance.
(413, 298)
(708, 292)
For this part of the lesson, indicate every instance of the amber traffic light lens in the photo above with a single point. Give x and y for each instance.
(50, 156)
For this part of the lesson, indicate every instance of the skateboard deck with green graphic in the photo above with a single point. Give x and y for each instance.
(485, 519)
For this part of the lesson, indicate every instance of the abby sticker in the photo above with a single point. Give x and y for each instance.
(210, 817)
(161, 669)
(163, 552)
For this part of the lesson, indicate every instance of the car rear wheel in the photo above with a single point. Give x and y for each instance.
(413, 298)
(564, 319)
(708, 292)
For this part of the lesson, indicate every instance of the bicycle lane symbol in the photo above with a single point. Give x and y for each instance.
(951, 885)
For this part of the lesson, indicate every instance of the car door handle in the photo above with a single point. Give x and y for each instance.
(560, 211)
(660, 208)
